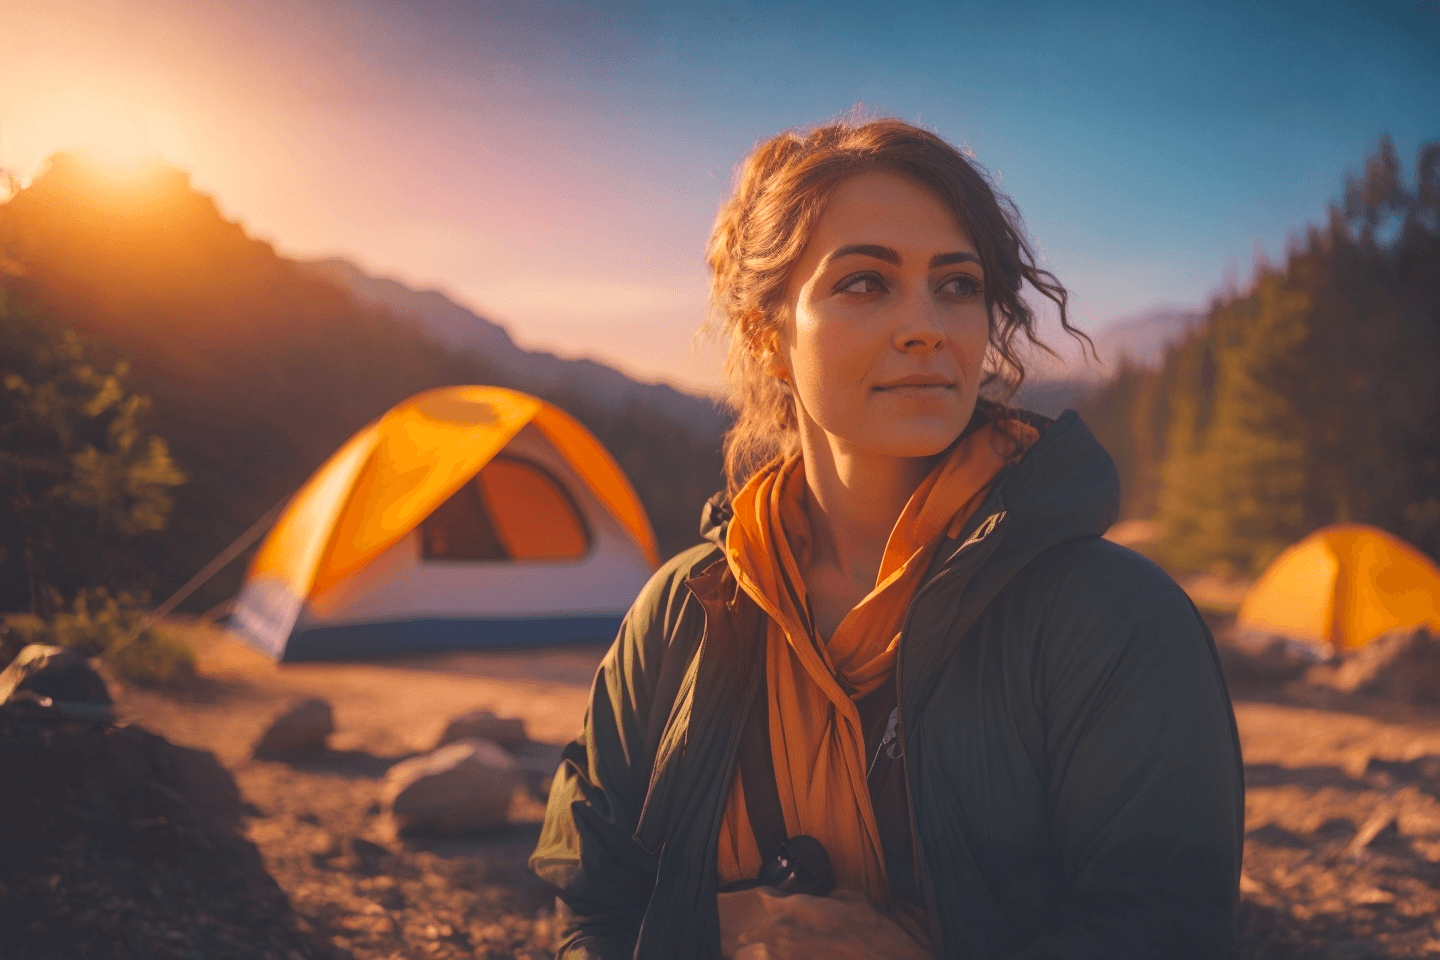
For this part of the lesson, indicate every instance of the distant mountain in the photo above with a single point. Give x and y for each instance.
(1143, 336)
(1054, 384)
(460, 328)
(1051, 398)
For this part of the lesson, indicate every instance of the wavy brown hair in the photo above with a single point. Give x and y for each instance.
(761, 230)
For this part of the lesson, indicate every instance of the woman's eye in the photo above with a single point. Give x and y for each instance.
(963, 285)
(860, 283)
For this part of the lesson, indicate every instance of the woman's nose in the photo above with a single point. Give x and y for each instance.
(918, 328)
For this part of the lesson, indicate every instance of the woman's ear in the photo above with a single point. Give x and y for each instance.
(775, 366)
(768, 355)
(765, 346)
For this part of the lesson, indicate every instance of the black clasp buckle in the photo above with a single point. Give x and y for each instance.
(799, 865)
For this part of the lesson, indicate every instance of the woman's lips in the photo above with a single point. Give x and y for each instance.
(916, 385)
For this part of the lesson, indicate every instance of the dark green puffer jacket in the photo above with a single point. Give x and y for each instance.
(1071, 757)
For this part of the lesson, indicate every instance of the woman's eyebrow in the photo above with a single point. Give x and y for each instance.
(865, 250)
(945, 259)
(890, 255)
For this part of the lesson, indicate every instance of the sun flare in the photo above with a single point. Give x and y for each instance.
(121, 138)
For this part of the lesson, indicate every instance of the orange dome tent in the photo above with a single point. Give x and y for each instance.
(1344, 585)
(464, 517)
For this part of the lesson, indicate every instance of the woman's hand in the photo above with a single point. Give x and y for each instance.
(763, 924)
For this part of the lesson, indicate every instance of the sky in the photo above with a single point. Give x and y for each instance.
(556, 165)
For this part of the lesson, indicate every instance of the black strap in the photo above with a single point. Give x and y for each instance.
(757, 776)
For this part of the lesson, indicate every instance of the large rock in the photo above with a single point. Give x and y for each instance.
(1265, 659)
(1403, 666)
(465, 785)
(509, 732)
(300, 730)
(55, 679)
(537, 763)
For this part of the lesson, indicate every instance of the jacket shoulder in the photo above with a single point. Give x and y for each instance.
(1096, 571)
(687, 563)
(1090, 597)
(665, 600)
(669, 580)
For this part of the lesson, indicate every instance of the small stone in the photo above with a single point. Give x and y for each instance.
(485, 725)
(465, 785)
(301, 729)
(323, 845)
(368, 851)
(1379, 821)
(1373, 897)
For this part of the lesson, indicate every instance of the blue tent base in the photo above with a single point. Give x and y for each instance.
(357, 640)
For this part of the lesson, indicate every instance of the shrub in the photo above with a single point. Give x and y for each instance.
(111, 627)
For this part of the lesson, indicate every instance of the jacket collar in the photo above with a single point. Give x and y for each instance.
(1064, 487)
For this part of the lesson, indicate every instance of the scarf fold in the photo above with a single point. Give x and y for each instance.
(816, 740)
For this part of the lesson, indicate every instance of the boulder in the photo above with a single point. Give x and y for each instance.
(1261, 658)
(465, 785)
(537, 763)
(1403, 666)
(56, 679)
(509, 732)
(299, 730)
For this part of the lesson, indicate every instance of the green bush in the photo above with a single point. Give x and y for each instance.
(157, 658)
(109, 627)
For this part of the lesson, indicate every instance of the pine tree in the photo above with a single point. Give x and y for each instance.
(80, 478)
(1314, 396)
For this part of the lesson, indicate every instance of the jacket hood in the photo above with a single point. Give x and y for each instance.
(1064, 487)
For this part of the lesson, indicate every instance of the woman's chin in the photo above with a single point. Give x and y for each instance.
(924, 439)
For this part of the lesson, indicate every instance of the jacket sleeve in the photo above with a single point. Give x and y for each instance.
(1146, 793)
(587, 849)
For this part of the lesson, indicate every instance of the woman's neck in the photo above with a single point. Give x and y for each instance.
(853, 499)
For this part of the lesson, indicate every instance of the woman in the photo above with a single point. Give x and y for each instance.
(904, 636)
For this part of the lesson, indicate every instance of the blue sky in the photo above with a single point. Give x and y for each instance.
(557, 164)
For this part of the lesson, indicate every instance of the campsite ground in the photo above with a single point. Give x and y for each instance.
(1343, 806)
(355, 885)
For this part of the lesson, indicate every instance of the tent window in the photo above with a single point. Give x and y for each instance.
(512, 510)
(461, 529)
(534, 516)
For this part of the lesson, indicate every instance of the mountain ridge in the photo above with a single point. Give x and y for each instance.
(459, 327)
(1144, 336)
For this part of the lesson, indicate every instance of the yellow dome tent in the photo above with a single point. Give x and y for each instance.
(465, 516)
(1344, 585)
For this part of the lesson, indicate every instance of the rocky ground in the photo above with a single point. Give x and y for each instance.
(297, 860)
(1342, 847)
(308, 866)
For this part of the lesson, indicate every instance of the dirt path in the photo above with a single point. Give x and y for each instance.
(1342, 812)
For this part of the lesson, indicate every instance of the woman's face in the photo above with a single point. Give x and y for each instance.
(887, 325)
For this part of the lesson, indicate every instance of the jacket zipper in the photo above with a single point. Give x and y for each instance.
(927, 884)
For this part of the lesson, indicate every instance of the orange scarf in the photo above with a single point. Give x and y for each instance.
(816, 741)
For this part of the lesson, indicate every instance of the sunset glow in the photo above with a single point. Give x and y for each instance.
(557, 166)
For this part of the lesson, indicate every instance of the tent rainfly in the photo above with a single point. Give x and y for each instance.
(464, 517)
(1343, 586)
